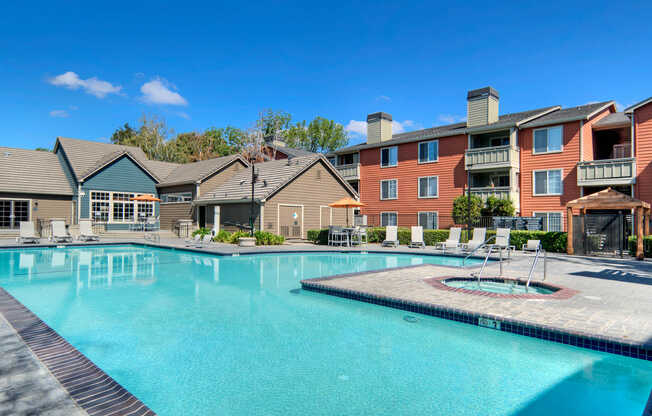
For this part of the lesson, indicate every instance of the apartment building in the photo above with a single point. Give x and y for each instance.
(540, 159)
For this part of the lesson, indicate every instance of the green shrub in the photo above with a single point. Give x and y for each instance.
(264, 238)
(202, 232)
(460, 210)
(235, 237)
(223, 237)
(318, 236)
(647, 245)
(498, 207)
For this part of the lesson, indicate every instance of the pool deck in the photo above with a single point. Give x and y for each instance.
(612, 302)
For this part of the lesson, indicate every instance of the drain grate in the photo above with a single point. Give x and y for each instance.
(409, 318)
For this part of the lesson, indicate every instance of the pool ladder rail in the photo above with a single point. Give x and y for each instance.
(537, 254)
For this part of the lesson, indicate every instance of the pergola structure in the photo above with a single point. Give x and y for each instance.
(611, 199)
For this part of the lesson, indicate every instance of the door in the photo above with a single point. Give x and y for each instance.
(325, 217)
(12, 213)
(602, 232)
(202, 216)
(290, 219)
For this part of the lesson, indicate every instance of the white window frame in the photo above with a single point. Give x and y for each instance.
(110, 219)
(534, 182)
(421, 162)
(381, 156)
(534, 152)
(547, 219)
(177, 194)
(381, 189)
(428, 212)
(419, 187)
(388, 212)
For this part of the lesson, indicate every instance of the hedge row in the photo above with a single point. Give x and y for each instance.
(263, 238)
(554, 242)
(647, 245)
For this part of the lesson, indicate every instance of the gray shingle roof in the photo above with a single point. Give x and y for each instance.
(580, 112)
(86, 156)
(197, 171)
(32, 171)
(159, 168)
(612, 120)
(638, 104)
(272, 175)
(289, 151)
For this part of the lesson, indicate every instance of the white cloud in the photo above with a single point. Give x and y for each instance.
(159, 91)
(59, 113)
(92, 85)
(359, 128)
(620, 106)
(450, 118)
(183, 115)
(383, 98)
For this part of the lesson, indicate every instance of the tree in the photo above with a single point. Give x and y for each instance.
(273, 122)
(496, 207)
(321, 135)
(124, 135)
(42, 149)
(460, 208)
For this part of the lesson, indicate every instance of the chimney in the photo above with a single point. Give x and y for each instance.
(379, 127)
(481, 107)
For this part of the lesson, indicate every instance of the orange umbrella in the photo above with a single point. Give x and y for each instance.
(346, 203)
(148, 198)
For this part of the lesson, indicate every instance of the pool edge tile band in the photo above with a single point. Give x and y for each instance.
(59, 357)
(515, 326)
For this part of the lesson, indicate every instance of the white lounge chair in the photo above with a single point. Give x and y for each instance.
(502, 239)
(532, 245)
(391, 236)
(206, 240)
(193, 241)
(453, 240)
(479, 237)
(86, 231)
(416, 238)
(59, 233)
(27, 234)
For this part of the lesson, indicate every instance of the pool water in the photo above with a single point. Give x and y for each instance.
(197, 334)
(506, 288)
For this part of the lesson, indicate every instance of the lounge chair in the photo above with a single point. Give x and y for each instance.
(206, 240)
(416, 238)
(453, 240)
(502, 239)
(86, 231)
(27, 234)
(479, 236)
(391, 236)
(59, 232)
(193, 241)
(532, 245)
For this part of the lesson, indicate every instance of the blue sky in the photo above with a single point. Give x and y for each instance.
(81, 70)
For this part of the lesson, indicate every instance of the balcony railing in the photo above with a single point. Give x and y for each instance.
(349, 172)
(484, 158)
(501, 192)
(607, 172)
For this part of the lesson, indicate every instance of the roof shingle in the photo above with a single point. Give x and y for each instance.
(197, 171)
(32, 171)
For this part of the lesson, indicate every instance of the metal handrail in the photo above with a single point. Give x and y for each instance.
(484, 263)
(534, 264)
(478, 248)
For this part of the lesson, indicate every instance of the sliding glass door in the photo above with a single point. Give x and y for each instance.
(12, 212)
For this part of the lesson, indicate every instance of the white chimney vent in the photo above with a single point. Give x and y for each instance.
(379, 127)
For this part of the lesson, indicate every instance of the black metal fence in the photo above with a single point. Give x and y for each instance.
(430, 221)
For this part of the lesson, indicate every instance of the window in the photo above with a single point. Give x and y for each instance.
(548, 140)
(428, 187)
(552, 221)
(346, 159)
(429, 151)
(113, 207)
(388, 157)
(178, 197)
(100, 206)
(388, 218)
(547, 182)
(12, 212)
(333, 161)
(428, 220)
(389, 189)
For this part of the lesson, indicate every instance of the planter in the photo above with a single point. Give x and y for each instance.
(247, 242)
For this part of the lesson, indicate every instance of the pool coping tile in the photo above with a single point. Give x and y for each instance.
(91, 389)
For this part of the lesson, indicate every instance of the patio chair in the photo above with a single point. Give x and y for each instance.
(205, 241)
(59, 232)
(502, 239)
(27, 234)
(416, 238)
(359, 235)
(86, 231)
(337, 236)
(479, 237)
(453, 240)
(531, 245)
(193, 241)
(391, 236)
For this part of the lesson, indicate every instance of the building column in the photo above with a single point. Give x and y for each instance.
(639, 233)
(569, 228)
(216, 219)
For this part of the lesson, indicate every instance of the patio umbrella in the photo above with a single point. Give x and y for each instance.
(148, 198)
(346, 203)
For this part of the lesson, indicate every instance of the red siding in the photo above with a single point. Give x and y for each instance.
(449, 168)
(643, 149)
(589, 145)
(566, 160)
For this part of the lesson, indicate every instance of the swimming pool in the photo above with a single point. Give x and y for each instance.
(191, 333)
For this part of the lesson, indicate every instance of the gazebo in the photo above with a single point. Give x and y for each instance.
(609, 199)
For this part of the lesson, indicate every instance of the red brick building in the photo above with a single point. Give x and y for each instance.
(540, 159)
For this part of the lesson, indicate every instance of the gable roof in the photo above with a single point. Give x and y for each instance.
(272, 177)
(581, 112)
(160, 168)
(87, 157)
(198, 171)
(32, 171)
(289, 151)
(612, 120)
(639, 104)
(607, 199)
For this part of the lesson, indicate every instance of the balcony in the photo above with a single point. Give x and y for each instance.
(501, 192)
(607, 172)
(350, 172)
(487, 158)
